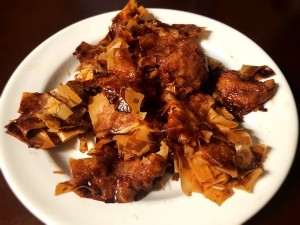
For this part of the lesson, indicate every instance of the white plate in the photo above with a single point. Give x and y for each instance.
(29, 172)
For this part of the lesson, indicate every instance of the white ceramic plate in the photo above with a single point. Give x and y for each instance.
(29, 172)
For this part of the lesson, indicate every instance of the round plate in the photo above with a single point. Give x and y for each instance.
(29, 172)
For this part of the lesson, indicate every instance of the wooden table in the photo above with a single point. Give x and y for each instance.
(272, 24)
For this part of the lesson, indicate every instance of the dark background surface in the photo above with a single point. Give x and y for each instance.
(272, 24)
